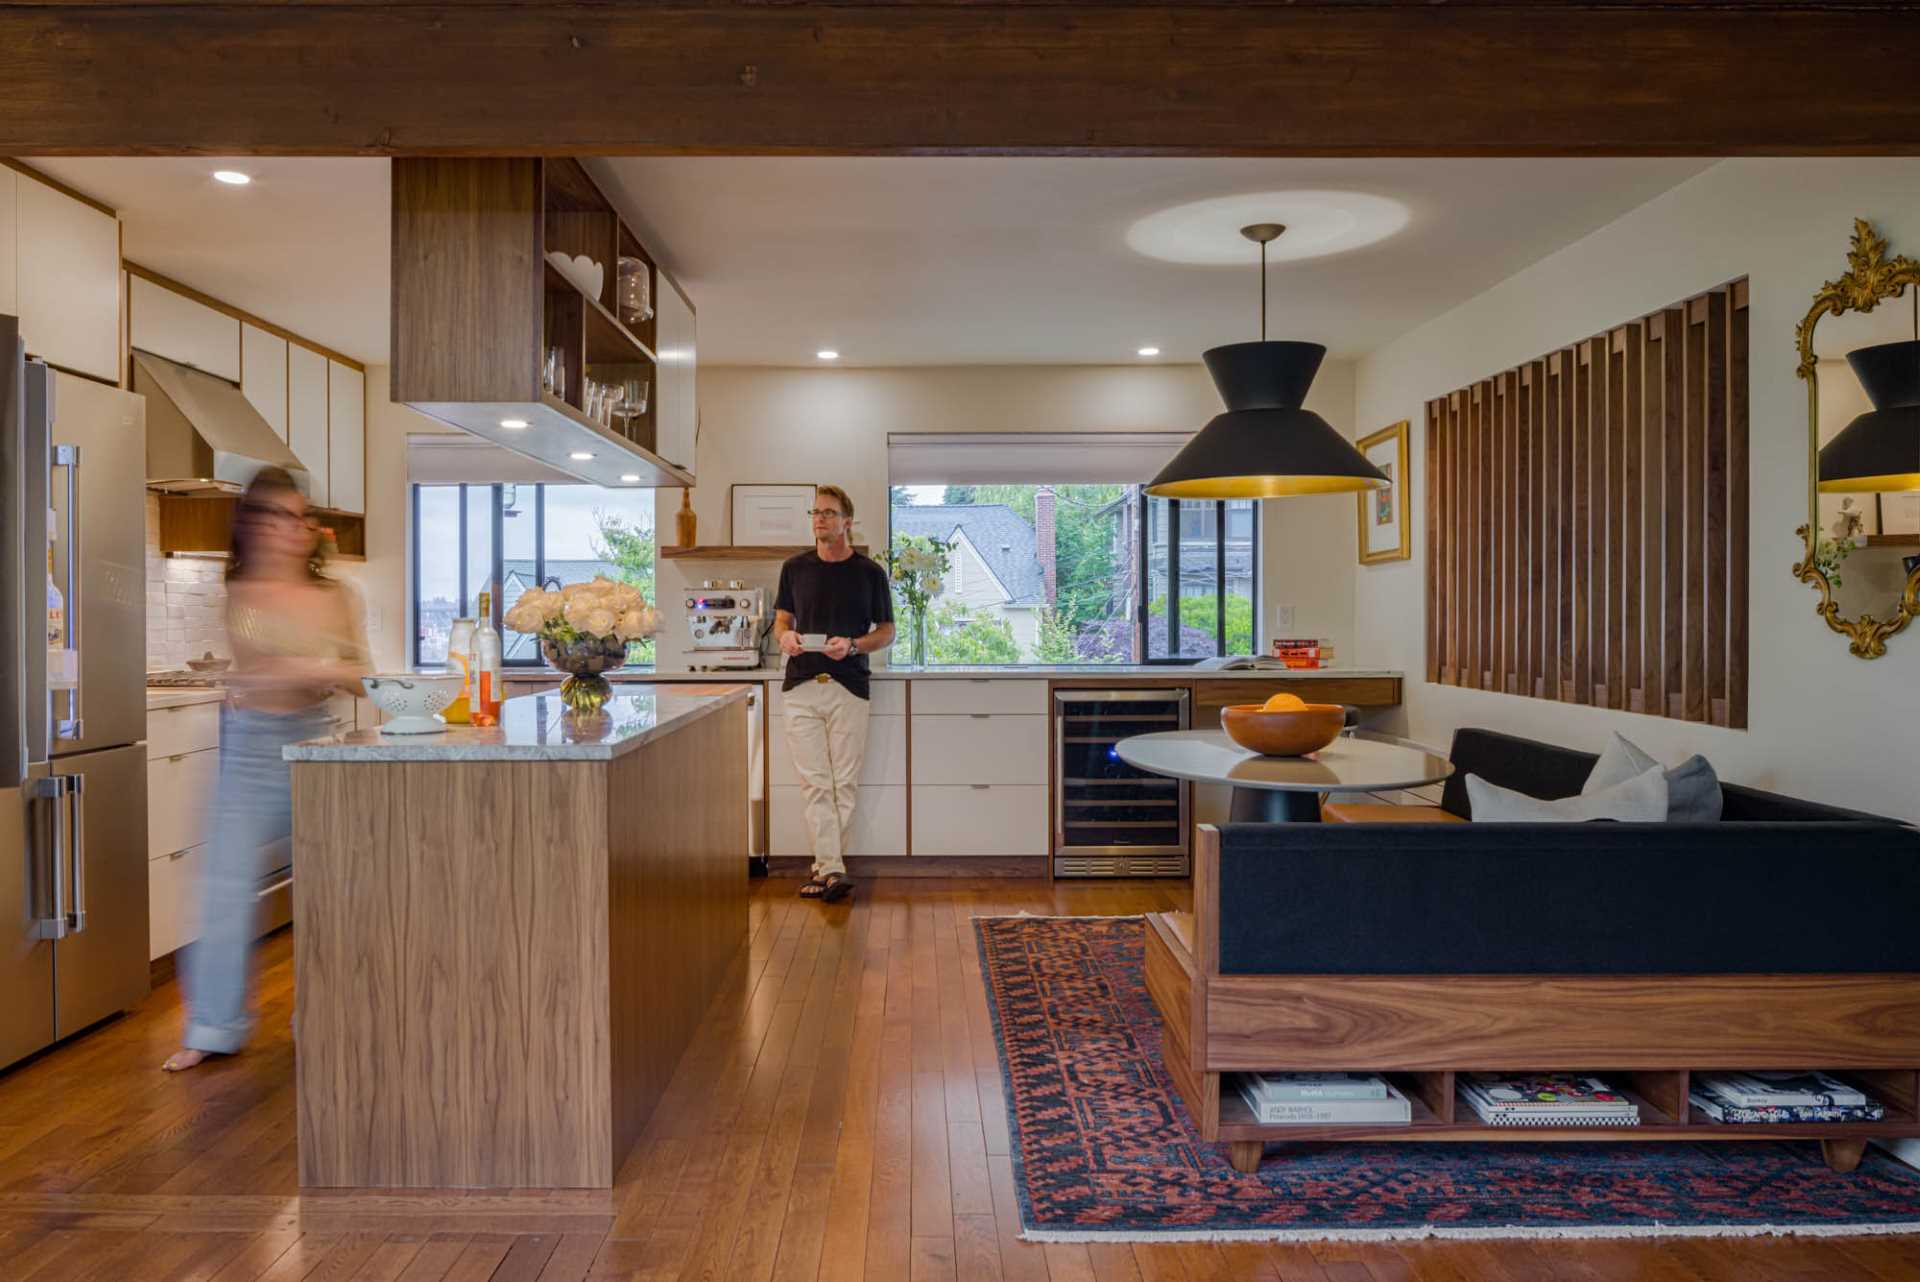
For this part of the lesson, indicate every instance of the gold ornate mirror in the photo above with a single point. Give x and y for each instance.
(1861, 363)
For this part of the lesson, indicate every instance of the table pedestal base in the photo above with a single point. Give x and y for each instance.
(1274, 806)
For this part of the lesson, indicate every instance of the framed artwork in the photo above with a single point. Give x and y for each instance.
(770, 515)
(1383, 513)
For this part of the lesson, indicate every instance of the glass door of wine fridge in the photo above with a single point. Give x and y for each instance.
(1112, 819)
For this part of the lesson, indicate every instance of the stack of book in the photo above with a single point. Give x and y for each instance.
(1781, 1097)
(1323, 1099)
(1307, 652)
(1546, 1099)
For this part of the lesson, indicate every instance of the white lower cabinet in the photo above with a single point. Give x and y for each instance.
(980, 819)
(970, 748)
(179, 797)
(884, 763)
(879, 822)
(173, 882)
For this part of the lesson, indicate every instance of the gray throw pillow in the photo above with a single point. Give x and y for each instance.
(1641, 799)
(1693, 789)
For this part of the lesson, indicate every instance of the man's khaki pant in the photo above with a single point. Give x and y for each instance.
(827, 735)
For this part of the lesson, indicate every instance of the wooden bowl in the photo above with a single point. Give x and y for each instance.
(1290, 733)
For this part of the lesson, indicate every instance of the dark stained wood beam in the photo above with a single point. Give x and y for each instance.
(1360, 78)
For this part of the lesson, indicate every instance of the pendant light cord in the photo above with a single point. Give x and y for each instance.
(1263, 292)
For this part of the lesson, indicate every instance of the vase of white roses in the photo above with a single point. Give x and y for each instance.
(584, 629)
(917, 565)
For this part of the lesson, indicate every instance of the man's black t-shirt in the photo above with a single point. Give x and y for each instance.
(840, 598)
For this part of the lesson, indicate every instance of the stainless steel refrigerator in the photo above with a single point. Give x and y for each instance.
(73, 782)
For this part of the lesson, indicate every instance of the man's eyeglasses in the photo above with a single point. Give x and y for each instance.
(817, 512)
(273, 511)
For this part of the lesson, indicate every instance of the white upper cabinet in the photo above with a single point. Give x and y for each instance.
(346, 437)
(263, 375)
(180, 329)
(307, 416)
(9, 295)
(67, 279)
(679, 412)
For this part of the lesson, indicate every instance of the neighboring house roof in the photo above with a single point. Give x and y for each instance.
(1004, 541)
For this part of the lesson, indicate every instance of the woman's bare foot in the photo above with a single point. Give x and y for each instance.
(182, 1060)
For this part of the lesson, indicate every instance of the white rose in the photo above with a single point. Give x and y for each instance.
(635, 624)
(572, 590)
(578, 609)
(599, 623)
(525, 618)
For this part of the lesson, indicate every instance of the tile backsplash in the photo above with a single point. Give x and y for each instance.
(186, 602)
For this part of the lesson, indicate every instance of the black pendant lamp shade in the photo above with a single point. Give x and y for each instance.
(1265, 446)
(1879, 450)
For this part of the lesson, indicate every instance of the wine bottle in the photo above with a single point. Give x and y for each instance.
(486, 665)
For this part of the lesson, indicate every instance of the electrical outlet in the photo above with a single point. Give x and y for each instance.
(373, 618)
(1283, 618)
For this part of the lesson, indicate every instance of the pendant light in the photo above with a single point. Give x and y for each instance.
(1880, 450)
(1265, 446)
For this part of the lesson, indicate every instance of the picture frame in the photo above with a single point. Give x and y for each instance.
(769, 515)
(1382, 514)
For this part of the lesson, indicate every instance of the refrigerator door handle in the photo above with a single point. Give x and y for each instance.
(68, 456)
(77, 848)
(54, 789)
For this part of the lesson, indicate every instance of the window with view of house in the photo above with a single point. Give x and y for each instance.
(1079, 573)
(518, 536)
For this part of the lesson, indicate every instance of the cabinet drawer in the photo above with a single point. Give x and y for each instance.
(980, 820)
(179, 797)
(884, 699)
(879, 823)
(979, 748)
(173, 883)
(885, 762)
(956, 695)
(188, 728)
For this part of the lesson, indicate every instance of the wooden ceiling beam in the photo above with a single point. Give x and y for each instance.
(331, 77)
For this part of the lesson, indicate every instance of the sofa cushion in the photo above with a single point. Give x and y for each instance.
(1524, 765)
(1504, 899)
(1642, 798)
(1693, 789)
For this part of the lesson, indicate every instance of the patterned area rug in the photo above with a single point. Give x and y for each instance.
(1103, 1149)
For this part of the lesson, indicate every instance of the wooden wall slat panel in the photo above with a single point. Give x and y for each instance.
(1714, 597)
(1738, 499)
(1693, 673)
(1589, 524)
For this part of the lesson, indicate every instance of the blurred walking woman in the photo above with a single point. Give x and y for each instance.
(297, 638)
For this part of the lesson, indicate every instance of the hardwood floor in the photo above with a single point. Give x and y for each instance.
(838, 1118)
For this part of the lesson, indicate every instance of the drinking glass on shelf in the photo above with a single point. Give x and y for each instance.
(635, 291)
(549, 371)
(613, 404)
(592, 404)
(634, 393)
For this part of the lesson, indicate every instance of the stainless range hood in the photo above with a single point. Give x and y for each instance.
(203, 436)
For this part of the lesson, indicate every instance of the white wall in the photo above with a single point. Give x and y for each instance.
(1824, 724)
(383, 579)
(780, 425)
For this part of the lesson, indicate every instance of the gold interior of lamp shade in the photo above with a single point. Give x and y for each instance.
(1891, 484)
(1263, 487)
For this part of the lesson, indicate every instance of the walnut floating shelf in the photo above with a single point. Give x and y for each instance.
(729, 552)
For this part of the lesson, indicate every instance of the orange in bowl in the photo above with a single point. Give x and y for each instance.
(1284, 702)
(1283, 732)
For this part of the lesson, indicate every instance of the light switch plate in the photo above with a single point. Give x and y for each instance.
(1283, 617)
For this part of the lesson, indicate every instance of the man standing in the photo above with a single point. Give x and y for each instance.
(835, 593)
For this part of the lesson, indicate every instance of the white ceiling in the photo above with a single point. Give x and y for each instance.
(905, 261)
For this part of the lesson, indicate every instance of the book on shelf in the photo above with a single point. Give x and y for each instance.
(1763, 1089)
(1394, 1110)
(1546, 1099)
(1294, 643)
(1314, 1086)
(1721, 1111)
(1306, 665)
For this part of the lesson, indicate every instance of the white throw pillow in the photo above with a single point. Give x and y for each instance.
(1641, 799)
(1693, 789)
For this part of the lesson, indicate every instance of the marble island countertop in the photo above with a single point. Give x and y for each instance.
(1172, 674)
(535, 727)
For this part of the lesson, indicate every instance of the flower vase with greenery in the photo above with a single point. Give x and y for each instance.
(584, 629)
(918, 565)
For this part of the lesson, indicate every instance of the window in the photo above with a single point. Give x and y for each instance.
(1079, 573)
(466, 537)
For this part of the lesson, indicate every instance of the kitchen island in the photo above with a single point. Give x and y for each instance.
(505, 937)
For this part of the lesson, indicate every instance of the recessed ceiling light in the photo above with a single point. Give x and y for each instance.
(232, 177)
(630, 477)
(827, 354)
(1149, 351)
(1318, 223)
(513, 424)
(580, 456)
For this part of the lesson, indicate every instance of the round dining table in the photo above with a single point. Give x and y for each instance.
(1284, 789)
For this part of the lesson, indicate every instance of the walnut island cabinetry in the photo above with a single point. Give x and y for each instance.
(505, 938)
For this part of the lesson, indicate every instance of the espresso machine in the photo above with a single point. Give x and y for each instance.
(724, 623)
